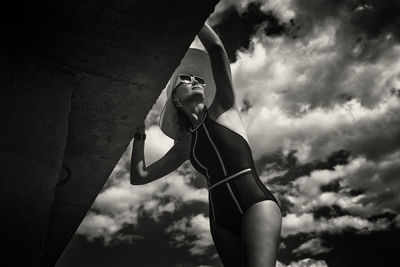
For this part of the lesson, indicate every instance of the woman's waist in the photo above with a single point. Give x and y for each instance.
(214, 181)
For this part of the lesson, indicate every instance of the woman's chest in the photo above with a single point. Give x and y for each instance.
(230, 119)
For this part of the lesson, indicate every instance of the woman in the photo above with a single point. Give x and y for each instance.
(203, 119)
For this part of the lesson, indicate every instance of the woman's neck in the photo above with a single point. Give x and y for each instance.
(197, 114)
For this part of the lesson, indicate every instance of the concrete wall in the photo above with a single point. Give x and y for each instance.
(77, 78)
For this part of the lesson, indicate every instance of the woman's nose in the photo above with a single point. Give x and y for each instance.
(194, 81)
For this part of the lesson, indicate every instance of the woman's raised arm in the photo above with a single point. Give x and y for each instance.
(220, 66)
(141, 174)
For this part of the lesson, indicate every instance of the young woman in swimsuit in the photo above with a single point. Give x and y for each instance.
(245, 218)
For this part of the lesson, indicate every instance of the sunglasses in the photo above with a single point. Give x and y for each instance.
(186, 78)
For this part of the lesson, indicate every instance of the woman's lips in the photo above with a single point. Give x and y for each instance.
(197, 87)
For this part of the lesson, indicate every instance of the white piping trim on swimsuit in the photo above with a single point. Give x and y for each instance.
(200, 123)
(216, 150)
(212, 205)
(229, 177)
(234, 198)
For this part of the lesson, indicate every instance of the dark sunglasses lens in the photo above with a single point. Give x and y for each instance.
(185, 78)
(200, 80)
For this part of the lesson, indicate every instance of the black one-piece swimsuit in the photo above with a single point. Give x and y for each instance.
(224, 157)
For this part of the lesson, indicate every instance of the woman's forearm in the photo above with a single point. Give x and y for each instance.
(209, 38)
(138, 166)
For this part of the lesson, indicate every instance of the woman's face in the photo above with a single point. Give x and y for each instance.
(189, 93)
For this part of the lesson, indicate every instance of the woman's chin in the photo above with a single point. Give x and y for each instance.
(197, 93)
(198, 90)
(196, 98)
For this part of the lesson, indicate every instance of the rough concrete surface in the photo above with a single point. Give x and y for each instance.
(78, 77)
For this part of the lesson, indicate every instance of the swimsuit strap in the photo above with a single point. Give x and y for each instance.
(201, 122)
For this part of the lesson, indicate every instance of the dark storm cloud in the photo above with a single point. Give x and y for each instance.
(334, 58)
(295, 169)
(348, 249)
(329, 212)
(153, 250)
(121, 204)
(236, 29)
(371, 18)
(366, 23)
(376, 17)
(377, 248)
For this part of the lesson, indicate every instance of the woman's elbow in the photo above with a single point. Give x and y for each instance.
(138, 178)
(134, 180)
(137, 181)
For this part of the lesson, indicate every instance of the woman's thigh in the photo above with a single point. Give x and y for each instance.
(261, 229)
(227, 245)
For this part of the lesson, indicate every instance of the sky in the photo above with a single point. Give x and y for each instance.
(318, 86)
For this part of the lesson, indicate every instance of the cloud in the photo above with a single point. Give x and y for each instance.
(304, 263)
(397, 221)
(313, 247)
(293, 224)
(197, 227)
(281, 8)
(297, 90)
(306, 195)
(380, 181)
(98, 226)
(268, 173)
(122, 204)
(317, 134)
(241, 20)
(106, 228)
(319, 92)
(157, 144)
(363, 188)
(372, 18)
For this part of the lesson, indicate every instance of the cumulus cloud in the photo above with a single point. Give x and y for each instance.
(293, 224)
(377, 180)
(313, 247)
(268, 173)
(104, 227)
(304, 263)
(98, 226)
(281, 8)
(306, 195)
(289, 90)
(121, 204)
(195, 226)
